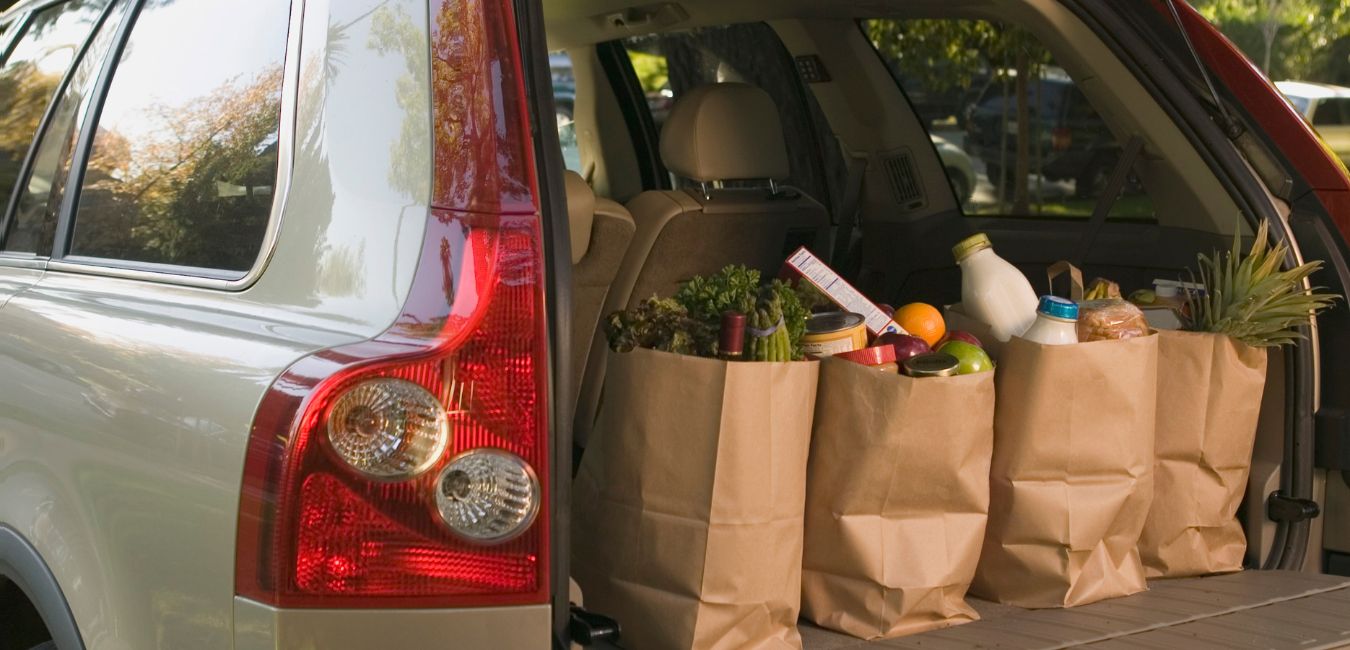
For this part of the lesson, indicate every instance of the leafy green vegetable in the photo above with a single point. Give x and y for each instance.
(689, 322)
(735, 287)
(660, 324)
(1249, 298)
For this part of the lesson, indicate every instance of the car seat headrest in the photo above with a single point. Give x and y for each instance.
(580, 213)
(724, 131)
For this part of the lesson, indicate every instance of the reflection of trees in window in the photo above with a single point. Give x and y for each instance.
(24, 95)
(30, 77)
(194, 185)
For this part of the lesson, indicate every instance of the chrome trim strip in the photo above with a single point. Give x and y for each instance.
(21, 261)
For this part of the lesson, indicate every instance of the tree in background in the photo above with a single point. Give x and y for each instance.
(941, 55)
(1307, 40)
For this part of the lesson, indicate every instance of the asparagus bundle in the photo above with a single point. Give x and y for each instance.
(769, 339)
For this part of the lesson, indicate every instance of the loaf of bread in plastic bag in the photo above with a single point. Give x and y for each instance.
(1113, 318)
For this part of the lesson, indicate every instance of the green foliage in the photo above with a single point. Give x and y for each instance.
(660, 324)
(1249, 298)
(651, 70)
(1306, 40)
(707, 297)
(689, 322)
(942, 54)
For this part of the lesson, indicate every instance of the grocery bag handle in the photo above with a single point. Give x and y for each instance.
(1075, 278)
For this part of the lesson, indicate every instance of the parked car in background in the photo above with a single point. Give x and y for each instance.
(1069, 140)
(1327, 108)
(960, 171)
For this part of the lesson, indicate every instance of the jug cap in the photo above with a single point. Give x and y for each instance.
(1056, 307)
(978, 241)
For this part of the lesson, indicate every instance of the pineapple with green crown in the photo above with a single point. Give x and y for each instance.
(1249, 298)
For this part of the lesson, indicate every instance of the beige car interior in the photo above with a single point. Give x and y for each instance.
(715, 133)
(601, 231)
(729, 131)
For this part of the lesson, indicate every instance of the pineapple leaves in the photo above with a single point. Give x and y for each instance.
(1248, 297)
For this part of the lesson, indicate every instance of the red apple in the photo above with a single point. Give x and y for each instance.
(958, 335)
(906, 346)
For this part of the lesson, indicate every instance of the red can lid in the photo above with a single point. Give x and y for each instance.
(873, 356)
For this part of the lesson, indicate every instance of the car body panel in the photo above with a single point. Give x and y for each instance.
(126, 404)
(260, 627)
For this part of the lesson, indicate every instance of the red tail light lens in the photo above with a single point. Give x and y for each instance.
(313, 532)
(355, 517)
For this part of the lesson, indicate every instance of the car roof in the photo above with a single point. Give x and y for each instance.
(1311, 90)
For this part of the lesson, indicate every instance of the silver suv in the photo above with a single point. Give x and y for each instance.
(299, 307)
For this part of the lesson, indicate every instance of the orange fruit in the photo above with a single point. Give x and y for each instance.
(922, 320)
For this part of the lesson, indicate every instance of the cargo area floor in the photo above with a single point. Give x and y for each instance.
(1252, 609)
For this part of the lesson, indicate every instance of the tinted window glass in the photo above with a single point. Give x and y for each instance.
(670, 64)
(564, 99)
(34, 222)
(185, 155)
(30, 76)
(968, 80)
(1332, 111)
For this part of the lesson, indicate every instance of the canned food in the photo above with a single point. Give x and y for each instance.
(880, 357)
(830, 333)
(932, 364)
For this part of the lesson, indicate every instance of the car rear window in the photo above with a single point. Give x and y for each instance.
(183, 166)
(962, 78)
(672, 63)
(33, 227)
(31, 75)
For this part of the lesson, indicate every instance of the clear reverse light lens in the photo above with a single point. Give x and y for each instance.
(487, 495)
(388, 429)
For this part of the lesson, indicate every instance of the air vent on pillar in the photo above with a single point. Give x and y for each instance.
(903, 178)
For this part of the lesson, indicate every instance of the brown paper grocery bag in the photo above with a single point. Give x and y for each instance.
(1071, 478)
(896, 499)
(687, 508)
(1209, 397)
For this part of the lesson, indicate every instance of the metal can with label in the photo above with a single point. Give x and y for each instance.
(832, 332)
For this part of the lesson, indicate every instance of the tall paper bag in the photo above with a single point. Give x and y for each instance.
(1209, 397)
(1071, 478)
(896, 499)
(687, 508)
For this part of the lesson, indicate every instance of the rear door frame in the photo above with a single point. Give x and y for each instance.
(1286, 155)
(555, 228)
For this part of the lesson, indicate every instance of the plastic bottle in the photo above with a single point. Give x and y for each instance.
(1056, 322)
(993, 291)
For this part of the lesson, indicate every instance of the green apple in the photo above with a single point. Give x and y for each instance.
(972, 358)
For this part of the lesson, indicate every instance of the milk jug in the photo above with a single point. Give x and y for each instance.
(993, 291)
(1056, 322)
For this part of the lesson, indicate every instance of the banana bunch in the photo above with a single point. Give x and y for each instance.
(768, 334)
(1102, 289)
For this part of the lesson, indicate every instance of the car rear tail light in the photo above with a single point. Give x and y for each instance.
(1061, 139)
(391, 429)
(487, 496)
(411, 470)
